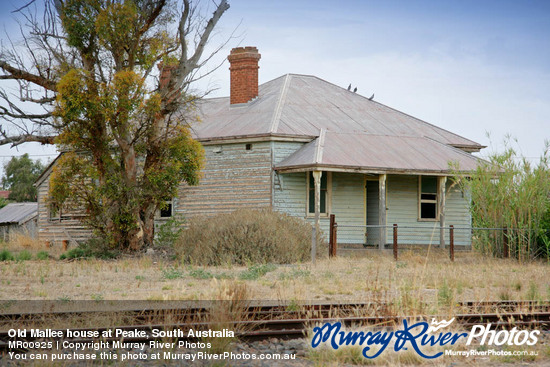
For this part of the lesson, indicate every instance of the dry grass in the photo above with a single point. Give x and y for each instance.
(24, 242)
(418, 283)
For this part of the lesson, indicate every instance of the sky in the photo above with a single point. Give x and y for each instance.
(472, 67)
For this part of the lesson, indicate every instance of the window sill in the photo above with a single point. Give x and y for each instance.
(322, 215)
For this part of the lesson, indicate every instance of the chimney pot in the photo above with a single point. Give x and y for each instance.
(244, 74)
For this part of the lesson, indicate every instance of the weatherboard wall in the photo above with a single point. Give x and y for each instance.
(68, 227)
(232, 178)
(402, 209)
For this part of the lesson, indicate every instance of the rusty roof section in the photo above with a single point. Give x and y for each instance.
(376, 154)
(18, 213)
(303, 105)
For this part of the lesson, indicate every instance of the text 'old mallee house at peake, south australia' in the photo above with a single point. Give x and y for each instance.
(265, 144)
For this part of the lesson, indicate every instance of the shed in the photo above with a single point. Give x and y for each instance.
(18, 218)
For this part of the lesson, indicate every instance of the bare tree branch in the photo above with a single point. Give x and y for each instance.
(24, 6)
(18, 74)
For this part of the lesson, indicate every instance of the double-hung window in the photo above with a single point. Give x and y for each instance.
(428, 198)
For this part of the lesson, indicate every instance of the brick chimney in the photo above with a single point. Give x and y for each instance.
(244, 74)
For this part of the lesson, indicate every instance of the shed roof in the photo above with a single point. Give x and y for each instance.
(18, 213)
(302, 105)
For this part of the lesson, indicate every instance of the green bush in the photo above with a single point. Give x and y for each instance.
(75, 253)
(42, 255)
(5, 255)
(24, 255)
(168, 233)
(246, 237)
(91, 248)
(257, 271)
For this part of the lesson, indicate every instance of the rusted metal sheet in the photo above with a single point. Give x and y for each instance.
(302, 105)
(379, 153)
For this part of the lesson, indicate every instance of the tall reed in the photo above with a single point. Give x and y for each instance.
(508, 191)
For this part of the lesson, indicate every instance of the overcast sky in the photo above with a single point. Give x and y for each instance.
(471, 67)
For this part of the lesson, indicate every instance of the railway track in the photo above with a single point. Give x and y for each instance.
(284, 322)
(148, 314)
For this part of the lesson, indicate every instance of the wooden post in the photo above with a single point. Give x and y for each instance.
(331, 243)
(442, 184)
(452, 242)
(395, 241)
(382, 210)
(335, 234)
(317, 178)
(65, 245)
(505, 242)
(48, 244)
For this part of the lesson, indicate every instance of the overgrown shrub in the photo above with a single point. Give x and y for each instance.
(246, 237)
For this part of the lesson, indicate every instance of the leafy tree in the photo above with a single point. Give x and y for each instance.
(19, 176)
(124, 128)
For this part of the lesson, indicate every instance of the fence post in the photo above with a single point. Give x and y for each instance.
(452, 242)
(395, 241)
(65, 245)
(313, 244)
(331, 237)
(505, 242)
(335, 241)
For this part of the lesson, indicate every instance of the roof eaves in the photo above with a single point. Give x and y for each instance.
(46, 171)
(358, 169)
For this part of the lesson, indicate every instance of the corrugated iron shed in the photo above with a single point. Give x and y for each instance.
(302, 105)
(18, 213)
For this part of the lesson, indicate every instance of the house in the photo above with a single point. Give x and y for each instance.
(18, 218)
(301, 145)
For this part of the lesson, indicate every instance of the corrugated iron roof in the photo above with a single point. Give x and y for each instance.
(302, 105)
(377, 153)
(18, 212)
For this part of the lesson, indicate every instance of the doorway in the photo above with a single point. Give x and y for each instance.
(372, 235)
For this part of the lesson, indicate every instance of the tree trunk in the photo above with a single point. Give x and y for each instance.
(149, 225)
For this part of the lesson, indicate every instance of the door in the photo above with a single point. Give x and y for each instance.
(372, 234)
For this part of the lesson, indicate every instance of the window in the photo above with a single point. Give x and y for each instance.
(166, 209)
(324, 194)
(248, 146)
(428, 198)
(54, 212)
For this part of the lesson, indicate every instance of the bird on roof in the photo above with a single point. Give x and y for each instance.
(371, 97)
(354, 89)
(349, 86)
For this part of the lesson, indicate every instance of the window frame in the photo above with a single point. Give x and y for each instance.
(328, 199)
(428, 201)
(170, 202)
(54, 215)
